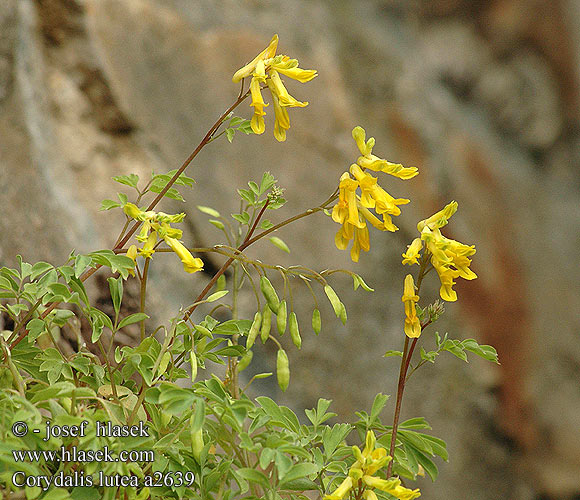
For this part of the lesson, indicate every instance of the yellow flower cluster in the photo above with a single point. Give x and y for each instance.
(156, 225)
(352, 210)
(266, 68)
(450, 258)
(361, 474)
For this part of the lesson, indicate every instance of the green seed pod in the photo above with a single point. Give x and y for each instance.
(266, 324)
(334, 300)
(281, 318)
(197, 443)
(245, 360)
(254, 330)
(193, 361)
(294, 331)
(316, 321)
(164, 363)
(343, 314)
(269, 294)
(283, 370)
(220, 283)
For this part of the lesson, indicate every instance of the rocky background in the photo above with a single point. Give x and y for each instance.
(482, 96)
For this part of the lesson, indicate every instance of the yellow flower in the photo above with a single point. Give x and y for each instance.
(257, 123)
(372, 162)
(148, 248)
(392, 487)
(450, 258)
(439, 219)
(352, 210)
(412, 253)
(360, 236)
(369, 461)
(268, 53)
(190, 264)
(284, 98)
(282, 122)
(374, 196)
(132, 254)
(346, 208)
(134, 211)
(341, 491)
(289, 67)
(266, 68)
(412, 324)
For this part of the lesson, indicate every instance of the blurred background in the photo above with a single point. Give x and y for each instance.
(481, 96)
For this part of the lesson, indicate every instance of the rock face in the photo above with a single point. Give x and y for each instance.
(481, 96)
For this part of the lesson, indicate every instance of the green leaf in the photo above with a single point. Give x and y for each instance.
(230, 132)
(254, 187)
(198, 416)
(122, 198)
(378, 405)
(109, 204)
(279, 243)
(267, 182)
(217, 223)
(133, 318)
(35, 328)
(231, 350)
(415, 423)
(333, 436)
(243, 218)
(427, 464)
(208, 211)
(388, 354)
(128, 180)
(455, 348)
(175, 399)
(485, 351)
(81, 263)
(254, 476)
(429, 356)
(38, 269)
(182, 180)
(236, 120)
(298, 471)
(116, 290)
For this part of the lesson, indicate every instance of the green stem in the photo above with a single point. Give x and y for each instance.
(143, 293)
